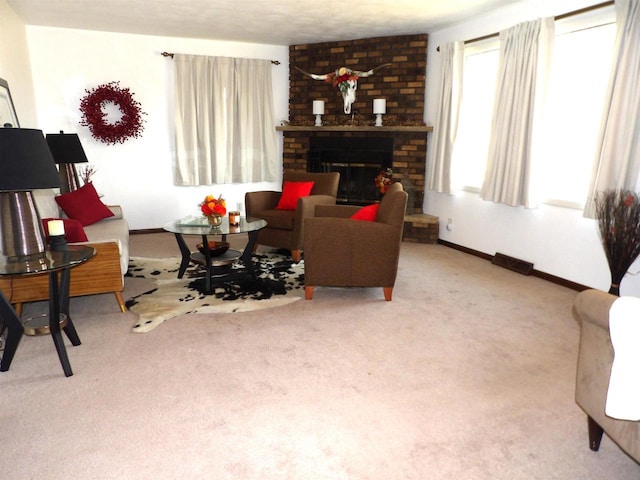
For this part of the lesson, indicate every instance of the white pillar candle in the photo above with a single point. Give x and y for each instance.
(318, 107)
(379, 106)
(56, 228)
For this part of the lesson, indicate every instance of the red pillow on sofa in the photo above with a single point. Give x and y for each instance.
(84, 205)
(368, 213)
(291, 192)
(73, 231)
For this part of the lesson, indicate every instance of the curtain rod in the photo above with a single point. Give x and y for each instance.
(557, 17)
(167, 54)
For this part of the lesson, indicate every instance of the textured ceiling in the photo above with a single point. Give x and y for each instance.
(277, 22)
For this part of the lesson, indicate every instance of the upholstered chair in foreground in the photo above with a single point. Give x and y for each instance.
(595, 360)
(285, 223)
(340, 251)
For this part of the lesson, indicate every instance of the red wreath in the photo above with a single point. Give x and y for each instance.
(130, 125)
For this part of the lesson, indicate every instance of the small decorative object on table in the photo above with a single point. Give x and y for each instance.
(214, 209)
(383, 180)
(618, 214)
(57, 240)
(215, 248)
(234, 218)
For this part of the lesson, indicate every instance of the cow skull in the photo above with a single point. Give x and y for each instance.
(346, 80)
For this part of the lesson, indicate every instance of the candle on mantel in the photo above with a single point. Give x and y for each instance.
(56, 228)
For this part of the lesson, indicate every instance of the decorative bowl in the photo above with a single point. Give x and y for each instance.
(215, 248)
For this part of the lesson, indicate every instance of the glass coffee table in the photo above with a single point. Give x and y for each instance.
(218, 267)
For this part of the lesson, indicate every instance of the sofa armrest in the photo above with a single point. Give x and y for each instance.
(593, 306)
(117, 212)
(307, 205)
(256, 202)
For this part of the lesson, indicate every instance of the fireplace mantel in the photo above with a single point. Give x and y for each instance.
(355, 128)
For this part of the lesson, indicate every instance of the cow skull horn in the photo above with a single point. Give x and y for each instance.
(368, 73)
(313, 75)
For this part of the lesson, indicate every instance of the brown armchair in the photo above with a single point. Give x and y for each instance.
(285, 228)
(342, 252)
(595, 360)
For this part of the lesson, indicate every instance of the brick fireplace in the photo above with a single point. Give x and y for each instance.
(402, 84)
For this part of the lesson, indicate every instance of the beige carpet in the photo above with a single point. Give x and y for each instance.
(467, 374)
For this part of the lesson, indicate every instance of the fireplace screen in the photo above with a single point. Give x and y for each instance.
(358, 160)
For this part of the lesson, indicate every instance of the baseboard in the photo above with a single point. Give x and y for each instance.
(147, 230)
(535, 273)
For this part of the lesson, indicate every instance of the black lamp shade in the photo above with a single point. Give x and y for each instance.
(66, 148)
(25, 161)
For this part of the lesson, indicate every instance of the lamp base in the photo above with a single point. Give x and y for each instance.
(22, 233)
(318, 120)
(378, 119)
(69, 180)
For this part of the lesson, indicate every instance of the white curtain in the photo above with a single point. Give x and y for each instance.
(617, 162)
(524, 57)
(225, 127)
(444, 134)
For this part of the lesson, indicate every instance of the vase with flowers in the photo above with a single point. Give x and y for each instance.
(213, 209)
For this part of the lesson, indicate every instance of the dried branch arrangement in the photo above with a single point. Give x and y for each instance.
(618, 214)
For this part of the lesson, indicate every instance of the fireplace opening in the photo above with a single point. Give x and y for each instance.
(358, 160)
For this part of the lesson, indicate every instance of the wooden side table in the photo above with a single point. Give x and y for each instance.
(57, 264)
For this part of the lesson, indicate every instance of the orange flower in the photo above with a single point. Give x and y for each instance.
(213, 206)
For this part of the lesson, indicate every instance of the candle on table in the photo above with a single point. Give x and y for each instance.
(56, 228)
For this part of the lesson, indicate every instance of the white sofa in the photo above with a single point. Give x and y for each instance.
(104, 273)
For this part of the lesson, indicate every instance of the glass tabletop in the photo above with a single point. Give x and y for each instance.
(198, 225)
(49, 261)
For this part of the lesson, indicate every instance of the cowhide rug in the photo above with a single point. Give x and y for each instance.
(280, 281)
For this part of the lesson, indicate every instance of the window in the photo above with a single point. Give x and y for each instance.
(472, 140)
(577, 83)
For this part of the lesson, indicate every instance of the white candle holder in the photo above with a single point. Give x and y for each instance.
(379, 109)
(318, 111)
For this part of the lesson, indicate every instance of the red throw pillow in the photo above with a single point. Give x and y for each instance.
(291, 192)
(73, 231)
(368, 213)
(84, 205)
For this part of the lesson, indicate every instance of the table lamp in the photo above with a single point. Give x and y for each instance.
(67, 151)
(26, 164)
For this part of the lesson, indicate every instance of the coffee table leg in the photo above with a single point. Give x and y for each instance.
(248, 251)
(185, 252)
(207, 260)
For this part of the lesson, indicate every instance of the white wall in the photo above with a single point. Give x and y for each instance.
(559, 241)
(138, 173)
(14, 65)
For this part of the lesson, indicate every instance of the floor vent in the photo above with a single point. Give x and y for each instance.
(514, 264)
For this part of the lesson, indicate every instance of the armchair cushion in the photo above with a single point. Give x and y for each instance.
(291, 193)
(368, 213)
(84, 205)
